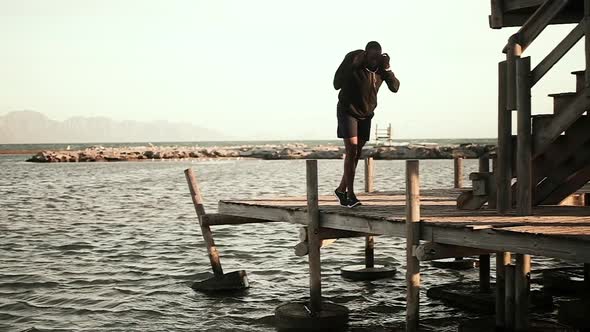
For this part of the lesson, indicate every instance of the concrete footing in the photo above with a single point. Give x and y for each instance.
(455, 264)
(232, 281)
(575, 313)
(565, 281)
(298, 316)
(487, 324)
(361, 272)
(469, 297)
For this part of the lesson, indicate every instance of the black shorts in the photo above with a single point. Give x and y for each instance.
(349, 126)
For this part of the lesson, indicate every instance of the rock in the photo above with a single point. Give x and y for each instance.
(266, 151)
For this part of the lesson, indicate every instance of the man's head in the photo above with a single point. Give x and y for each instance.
(373, 52)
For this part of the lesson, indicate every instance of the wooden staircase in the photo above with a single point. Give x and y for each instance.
(550, 155)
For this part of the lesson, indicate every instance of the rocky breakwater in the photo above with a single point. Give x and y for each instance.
(269, 152)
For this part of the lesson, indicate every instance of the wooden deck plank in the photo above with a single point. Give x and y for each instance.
(553, 231)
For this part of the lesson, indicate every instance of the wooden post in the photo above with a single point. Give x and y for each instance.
(504, 159)
(521, 291)
(484, 273)
(509, 298)
(484, 164)
(313, 228)
(412, 240)
(493, 196)
(513, 52)
(524, 139)
(484, 260)
(587, 40)
(193, 186)
(502, 259)
(458, 166)
(369, 240)
(369, 174)
(369, 252)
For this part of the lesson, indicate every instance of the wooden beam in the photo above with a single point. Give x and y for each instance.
(502, 259)
(412, 240)
(518, 19)
(572, 183)
(561, 122)
(496, 19)
(561, 175)
(524, 139)
(314, 242)
(494, 239)
(214, 219)
(540, 19)
(503, 240)
(330, 233)
(522, 280)
(557, 53)
(504, 154)
(430, 251)
(193, 187)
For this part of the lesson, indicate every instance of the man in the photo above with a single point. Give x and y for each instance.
(358, 78)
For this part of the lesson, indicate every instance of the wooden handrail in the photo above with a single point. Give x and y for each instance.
(557, 53)
(540, 19)
(518, 42)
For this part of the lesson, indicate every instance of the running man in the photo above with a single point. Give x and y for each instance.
(358, 78)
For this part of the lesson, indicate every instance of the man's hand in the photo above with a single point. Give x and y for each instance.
(385, 61)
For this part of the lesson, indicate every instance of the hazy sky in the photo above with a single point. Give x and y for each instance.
(261, 69)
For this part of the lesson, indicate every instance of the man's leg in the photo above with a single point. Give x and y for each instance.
(350, 160)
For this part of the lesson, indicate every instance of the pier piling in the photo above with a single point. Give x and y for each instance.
(458, 172)
(313, 227)
(412, 240)
(236, 280)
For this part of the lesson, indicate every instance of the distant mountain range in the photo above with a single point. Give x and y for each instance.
(34, 127)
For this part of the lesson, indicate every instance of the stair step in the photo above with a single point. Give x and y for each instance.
(562, 100)
(540, 122)
(580, 79)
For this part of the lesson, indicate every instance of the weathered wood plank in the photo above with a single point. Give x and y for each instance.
(214, 219)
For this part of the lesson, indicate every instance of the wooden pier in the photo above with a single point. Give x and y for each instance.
(434, 228)
(515, 210)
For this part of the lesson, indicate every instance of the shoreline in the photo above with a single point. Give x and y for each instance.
(265, 152)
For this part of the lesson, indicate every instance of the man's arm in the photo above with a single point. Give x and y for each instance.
(392, 81)
(388, 75)
(344, 69)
